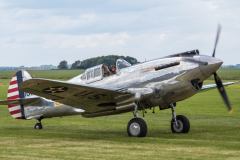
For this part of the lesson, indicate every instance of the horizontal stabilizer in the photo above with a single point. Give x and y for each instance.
(20, 101)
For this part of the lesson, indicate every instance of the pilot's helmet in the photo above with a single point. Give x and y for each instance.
(112, 66)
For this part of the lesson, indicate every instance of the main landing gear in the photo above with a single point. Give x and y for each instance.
(180, 123)
(38, 125)
(137, 127)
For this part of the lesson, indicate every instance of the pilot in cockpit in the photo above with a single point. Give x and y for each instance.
(113, 69)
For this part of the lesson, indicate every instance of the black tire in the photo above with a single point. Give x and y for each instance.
(184, 125)
(137, 127)
(38, 126)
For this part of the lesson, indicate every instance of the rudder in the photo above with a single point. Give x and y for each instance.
(17, 111)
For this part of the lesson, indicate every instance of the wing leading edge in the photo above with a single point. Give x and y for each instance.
(213, 86)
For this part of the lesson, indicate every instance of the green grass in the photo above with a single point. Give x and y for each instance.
(228, 74)
(214, 134)
(49, 74)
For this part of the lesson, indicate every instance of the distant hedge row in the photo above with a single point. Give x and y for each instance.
(48, 74)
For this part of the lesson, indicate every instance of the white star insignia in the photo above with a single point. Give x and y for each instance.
(53, 90)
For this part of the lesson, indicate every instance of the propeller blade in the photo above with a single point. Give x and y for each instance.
(218, 33)
(222, 91)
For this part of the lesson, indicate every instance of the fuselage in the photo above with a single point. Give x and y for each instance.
(172, 79)
(172, 83)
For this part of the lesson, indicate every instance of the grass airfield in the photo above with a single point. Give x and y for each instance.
(214, 133)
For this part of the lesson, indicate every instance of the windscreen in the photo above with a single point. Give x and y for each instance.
(121, 63)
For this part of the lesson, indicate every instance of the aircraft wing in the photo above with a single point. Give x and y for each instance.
(213, 86)
(83, 96)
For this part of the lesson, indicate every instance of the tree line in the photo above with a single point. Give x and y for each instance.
(231, 66)
(88, 63)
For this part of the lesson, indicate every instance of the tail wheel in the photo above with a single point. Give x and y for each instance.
(183, 125)
(38, 126)
(137, 127)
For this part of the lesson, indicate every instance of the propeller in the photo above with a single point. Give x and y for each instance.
(218, 33)
(218, 80)
(222, 91)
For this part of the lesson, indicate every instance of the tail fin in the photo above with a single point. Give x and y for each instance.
(17, 111)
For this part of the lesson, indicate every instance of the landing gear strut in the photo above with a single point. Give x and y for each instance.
(180, 123)
(137, 127)
(38, 125)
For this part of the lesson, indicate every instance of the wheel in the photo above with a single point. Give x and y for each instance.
(38, 126)
(137, 127)
(183, 125)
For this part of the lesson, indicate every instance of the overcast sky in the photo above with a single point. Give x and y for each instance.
(34, 32)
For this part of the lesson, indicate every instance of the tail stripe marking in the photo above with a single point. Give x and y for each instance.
(13, 97)
(17, 116)
(15, 112)
(13, 108)
(10, 106)
(13, 93)
(13, 86)
(14, 78)
(12, 90)
(13, 82)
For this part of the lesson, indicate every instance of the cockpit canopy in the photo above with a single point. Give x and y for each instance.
(97, 73)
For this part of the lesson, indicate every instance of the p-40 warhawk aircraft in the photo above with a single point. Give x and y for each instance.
(97, 92)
